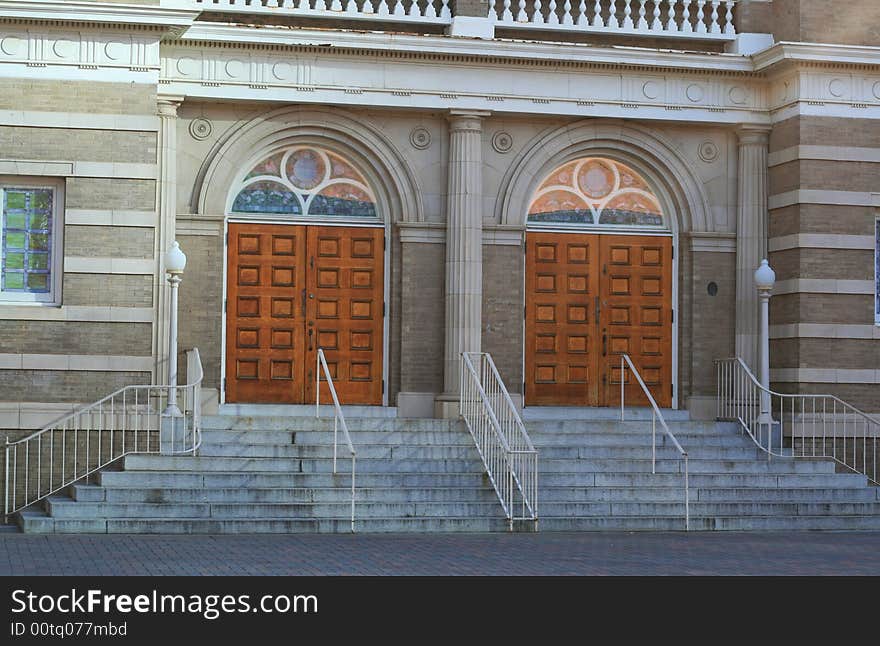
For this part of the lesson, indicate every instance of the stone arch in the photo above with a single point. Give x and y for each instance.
(397, 189)
(675, 182)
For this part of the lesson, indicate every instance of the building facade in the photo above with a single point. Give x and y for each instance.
(399, 182)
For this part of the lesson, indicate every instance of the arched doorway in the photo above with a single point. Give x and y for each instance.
(599, 282)
(305, 270)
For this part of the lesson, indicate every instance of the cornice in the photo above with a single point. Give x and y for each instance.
(816, 54)
(168, 18)
(396, 45)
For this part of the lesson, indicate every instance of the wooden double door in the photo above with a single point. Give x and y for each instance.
(589, 298)
(294, 289)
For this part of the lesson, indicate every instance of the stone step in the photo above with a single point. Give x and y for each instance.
(306, 410)
(66, 508)
(695, 465)
(46, 525)
(93, 493)
(622, 428)
(295, 465)
(309, 451)
(325, 424)
(687, 441)
(711, 523)
(654, 509)
(644, 452)
(702, 480)
(459, 437)
(549, 413)
(717, 494)
(230, 479)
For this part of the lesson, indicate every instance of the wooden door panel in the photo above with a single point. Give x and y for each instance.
(561, 290)
(636, 316)
(346, 311)
(265, 313)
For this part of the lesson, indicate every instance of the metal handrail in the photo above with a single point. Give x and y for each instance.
(133, 411)
(769, 416)
(501, 438)
(654, 416)
(321, 365)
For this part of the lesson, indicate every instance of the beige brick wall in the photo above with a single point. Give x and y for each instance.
(822, 218)
(821, 308)
(113, 194)
(824, 21)
(77, 96)
(834, 264)
(422, 317)
(108, 242)
(503, 301)
(201, 302)
(75, 337)
(852, 354)
(116, 290)
(713, 317)
(64, 386)
(862, 396)
(77, 145)
(824, 174)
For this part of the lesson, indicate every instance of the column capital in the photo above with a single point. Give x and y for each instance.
(467, 119)
(749, 135)
(167, 105)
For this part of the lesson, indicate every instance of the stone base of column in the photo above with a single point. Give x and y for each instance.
(446, 406)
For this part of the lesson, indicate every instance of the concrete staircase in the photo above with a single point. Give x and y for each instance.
(272, 473)
(595, 474)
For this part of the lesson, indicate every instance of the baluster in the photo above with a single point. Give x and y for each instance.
(320, 5)
(537, 14)
(552, 17)
(598, 21)
(431, 10)
(716, 28)
(367, 7)
(521, 15)
(729, 28)
(627, 14)
(670, 22)
(506, 13)
(642, 24)
(398, 8)
(351, 6)
(382, 8)
(304, 5)
(414, 8)
(612, 15)
(582, 20)
(444, 9)
(686, 17)
(701, 16)
(566, 13)
(656, 25)
(336, 5)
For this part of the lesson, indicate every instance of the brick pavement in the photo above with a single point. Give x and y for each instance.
(806, 553)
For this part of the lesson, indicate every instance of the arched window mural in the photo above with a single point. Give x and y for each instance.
(305, 180)
(595, 190)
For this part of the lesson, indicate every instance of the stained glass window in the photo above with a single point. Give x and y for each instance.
(306, 180)
(596, 191)
(26, 244)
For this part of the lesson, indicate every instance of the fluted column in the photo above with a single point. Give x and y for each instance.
(464, 250)
(751, 237)
(166, 204)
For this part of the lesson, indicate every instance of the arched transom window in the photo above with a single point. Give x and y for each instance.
(596, 191)
(305, 181)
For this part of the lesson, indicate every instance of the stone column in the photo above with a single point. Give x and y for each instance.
(166, 205)
(464, 251)
(751, 237)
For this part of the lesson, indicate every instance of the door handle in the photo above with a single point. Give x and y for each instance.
(303, 302)
(310, 339)
(597, 309)
(604, 344)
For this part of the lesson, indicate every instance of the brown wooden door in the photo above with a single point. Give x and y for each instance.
(345, 311)
(562, 364)
(636, 316)
(590, 297)
(265, 313)
(292, 289)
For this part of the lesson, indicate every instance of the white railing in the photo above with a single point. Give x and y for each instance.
(501, 438)
(420, 11)
(131, 420)
(655, 415)
(338, 418)
(820, 426)
(705, 19)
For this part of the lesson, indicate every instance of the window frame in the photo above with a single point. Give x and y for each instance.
(52, 298)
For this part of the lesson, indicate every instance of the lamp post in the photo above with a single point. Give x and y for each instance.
(175, 263)
(765, 278)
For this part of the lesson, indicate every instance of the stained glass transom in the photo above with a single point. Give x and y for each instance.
(26, 241)
(306, 180)
(595, 190)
